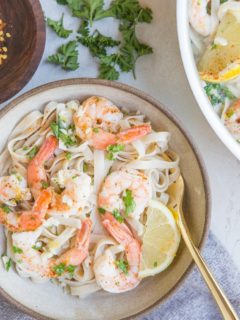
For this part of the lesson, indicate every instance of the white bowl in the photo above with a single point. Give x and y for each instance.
(194, 80)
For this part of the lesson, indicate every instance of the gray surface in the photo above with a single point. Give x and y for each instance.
(162, 76)
(192, 301)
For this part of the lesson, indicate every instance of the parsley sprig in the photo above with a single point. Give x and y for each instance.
(217, 93)
(123, 265)
(66, 56)
(129, 202)
(61, 268)
(113, 149)
(126, 52)
(57, 26)
(60, 131)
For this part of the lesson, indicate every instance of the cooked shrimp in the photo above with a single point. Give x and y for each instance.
(199, 18)
(76, 188)
(232, 119)
(36, 174)
(13, 189)
(26, 220)
(127, 191)
(32, 261)
(98, 122)
(102, 139)
(96, 113)
(108, 274)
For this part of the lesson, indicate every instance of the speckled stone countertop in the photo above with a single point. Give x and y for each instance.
(162, 76)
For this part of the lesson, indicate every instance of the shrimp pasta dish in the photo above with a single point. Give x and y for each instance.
(215, 38)
(84, 199)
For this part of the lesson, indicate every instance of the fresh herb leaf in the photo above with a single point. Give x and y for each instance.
(70, 269)
(59, 269)
(68, 140)
(129, 202)
(217, 93)
(95, 130)
(37, 246)
(130, 10)
(69, 156)
(88, 10)
(108, 72)
(31, 154)
(98, 43)
(113, 149)
(123, 265)
(58, 27)
(6, 208)
(44, 184)
(117, 215)
(66, 56)
(101, 210)
(7, 262)
(63, 2)
(85, 167)
(17, 250)
(84, 28)
(230, 112)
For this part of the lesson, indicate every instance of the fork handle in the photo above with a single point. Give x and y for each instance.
(219, 296)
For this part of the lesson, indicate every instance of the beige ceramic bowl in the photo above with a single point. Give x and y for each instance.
(45, 301)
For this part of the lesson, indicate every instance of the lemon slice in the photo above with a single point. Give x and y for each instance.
(221, 60)
(160, 240)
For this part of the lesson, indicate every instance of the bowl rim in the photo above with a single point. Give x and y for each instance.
(195, 81)
(37, 53)
(158, 105)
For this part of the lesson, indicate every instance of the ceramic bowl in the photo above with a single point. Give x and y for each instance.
(195, 83)
(44, 301)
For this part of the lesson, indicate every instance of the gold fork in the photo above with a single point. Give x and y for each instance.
(176, 192)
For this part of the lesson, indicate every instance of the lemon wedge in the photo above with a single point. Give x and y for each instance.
(160, 240)
(221, 60)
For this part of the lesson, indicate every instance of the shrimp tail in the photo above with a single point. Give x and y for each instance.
(102, 139)
(132, 134)
(78, 253)
(36, 174)
(27, 220)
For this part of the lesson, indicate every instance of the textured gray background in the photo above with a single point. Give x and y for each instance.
(162, 76)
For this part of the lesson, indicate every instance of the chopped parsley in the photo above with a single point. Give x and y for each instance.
(70, 269)
(230, 112)
(69, 156)
(155, 264)
(37, 246)
(217, 93)
(129, 202)
(58, 27)
(117, 215)
(59, 130)
(85, 167)
(7, 262)
(31, 154)
(62, 268)
(96, 130)
(17, 250)
(101, 210)
(44, 184)
(66, 56)
(123, 265)
(113, 149)
(6, 208)
(59, 269)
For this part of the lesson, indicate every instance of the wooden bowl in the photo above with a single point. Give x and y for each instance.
(25, 22)
(47, 301)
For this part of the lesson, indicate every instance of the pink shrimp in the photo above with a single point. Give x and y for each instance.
(31, 259)
(107, 272)
(102, 139)
(36, 174)
(97, 121)
(26, 220)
